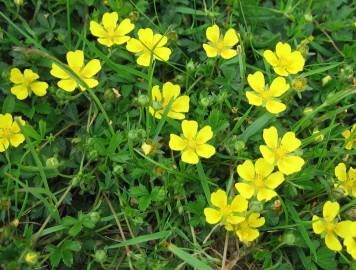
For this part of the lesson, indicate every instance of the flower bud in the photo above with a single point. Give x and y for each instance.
(299, 84)
(52, 163)
(94, 216)
(100, 256)
(147, 148)
(326, 80)
(289, 238)
(239, 146)
(190, 66)
(143, 100)
(256, 206)
(18, 2)
(31, 257)
(109, 95)
(205, 101)
(118, 170)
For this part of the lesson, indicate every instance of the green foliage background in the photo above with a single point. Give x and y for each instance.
(85, 195)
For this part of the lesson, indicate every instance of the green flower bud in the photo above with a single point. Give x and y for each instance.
(205, 101)
(52, 163)
(100, 256)
(118, 170)
(256, 206)
(143, 100)
(94, 216)
(93, 154)
(76, 180)
(109, 95)
(31, 257)
(190, 66)
(132, 135)
(289, 238)
(239, 146)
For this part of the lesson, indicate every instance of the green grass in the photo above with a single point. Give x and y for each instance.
(81, 193)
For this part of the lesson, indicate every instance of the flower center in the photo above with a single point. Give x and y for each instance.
(279, 152)
(329, 227)
(5, 132)
(259, 183)
(219, 45)
(192, 144)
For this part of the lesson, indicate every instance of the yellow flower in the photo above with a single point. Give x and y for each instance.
(109, 32)
(247, 230)
(161, 100)
(147, 148)
(26, 83)
(280, 152)
(350, 137)
(284, 61)
(192, 143)
(347, 181)
(266, 96)
(149, 45)
(350, 242)
(330, 227)
(219, 45)
(227, 214)
(75, 61)
(10, 132)
(259, 180)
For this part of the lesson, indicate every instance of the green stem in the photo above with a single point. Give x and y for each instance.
(204, 181)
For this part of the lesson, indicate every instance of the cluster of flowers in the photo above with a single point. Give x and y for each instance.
(259, 180)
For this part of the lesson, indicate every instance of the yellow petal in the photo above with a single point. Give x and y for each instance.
(156, 93)
(263, 168)
(246, 190)
(332, 242)
(30, 76)
(170, 91)
(125, 27)
(352, 174)
(75, 59)
(239, 204)
(265, 194)
(5, 120)
(330, 210)
(91, 83)
(17, 139)
(190, 157)
(278, 87)
(281, 71)
(275, 107)
(205, 150)
(340, 172)
(189, 128)
(230, 38)
(159, 40)
(67, 85)
(250, 234)
(4, 144)
(121, 39)
(219, 199)
(270, 136)
(344, 228)
(162, 53)
(246, 170)
(145, 35)
(212, 216)
(254, 98)
(181, 104)
(97, 30)
(255, 220)
(20, 91)
(274, 180)
(39, 88)
(283, 50)
(228, 53)
(346, 134)
(213, 33)
(16, 76)
(350, 244)
(57, 72)
(176, 115)
(256, 81)
(290, 142)
(267, 154)
(110, 20)
(134, 45)
(270, 57)
(296, 62)
(91, 68)
(318, 226)
(204, 135)
(176, 143)
(210, 51)
(234, 219)
(144, 59)
(290, 164)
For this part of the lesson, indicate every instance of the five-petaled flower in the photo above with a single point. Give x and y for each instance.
(109, 32)
(350, 137)
(10, 132)
(169, 96)
(26, 83)
(228, 214)
(266, 96)
(284, 61)
(258, 180)
(148, 47)
(347, 181)
(280, 152)
(192, 143)
(329, 226)
(218, 45)
(86, 72)
(247, 230)
(350, 241)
